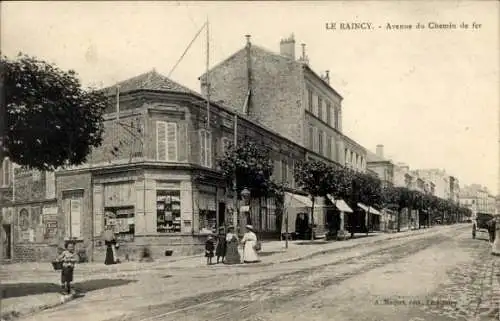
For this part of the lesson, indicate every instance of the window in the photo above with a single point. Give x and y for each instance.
(311, 137)
(336, 118)
(310, 99)
(72, 205)
(329, 113)
(168, 211)
(271, 215)
(50, 185)
(333, 148)
(122, 220)
(205, 148)
(292, 171)
(226, 144)
(320, 142)
(320, 108)
(328, 147)
(315, 136)
(166, 141)
(207, 212)
(284, 171)
(6, 172)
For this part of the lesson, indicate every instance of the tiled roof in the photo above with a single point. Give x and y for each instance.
(151, 80)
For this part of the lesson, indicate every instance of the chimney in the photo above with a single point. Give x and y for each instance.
(287, 47)
(380, 151)
(248, 40)
(327, 76)
(304, 56)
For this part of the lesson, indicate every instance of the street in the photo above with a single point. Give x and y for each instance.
(437, 275)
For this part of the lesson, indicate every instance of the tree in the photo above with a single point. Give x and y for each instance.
(398, 197)
(317, 179)
(252, 166)
(50, 120)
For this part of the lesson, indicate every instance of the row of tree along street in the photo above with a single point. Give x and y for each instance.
(252, 167)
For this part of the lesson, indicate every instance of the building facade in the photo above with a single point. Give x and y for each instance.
(154, 179)
(477, 198)
(286, 95)
(30, 216)
(440, 179)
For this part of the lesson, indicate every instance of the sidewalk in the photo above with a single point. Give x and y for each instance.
(31, 287)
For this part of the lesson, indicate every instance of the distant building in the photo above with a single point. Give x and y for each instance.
(283, 92)
(477, 198)
(440, 179)
(384, 168)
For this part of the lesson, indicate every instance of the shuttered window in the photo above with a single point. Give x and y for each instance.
(205, 148)
(329, 113)
(72, 206)
(320, 142)
(320, 108)
(166, 141)
(284, 171)
(311, 137)
(315, 137)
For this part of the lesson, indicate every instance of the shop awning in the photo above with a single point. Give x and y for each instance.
(363, 207)
(295, 200)
(340, 204)
(374, 211)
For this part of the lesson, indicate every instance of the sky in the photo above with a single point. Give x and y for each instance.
(430, 96)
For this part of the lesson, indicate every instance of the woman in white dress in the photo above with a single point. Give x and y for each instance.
(249, 241)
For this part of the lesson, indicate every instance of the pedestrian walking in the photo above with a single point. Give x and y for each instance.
(495, 246)
(491, 229)
(250, 245)
(68, 258)
(110, 242)
(209, 249)
(232, 253)
(220, 250)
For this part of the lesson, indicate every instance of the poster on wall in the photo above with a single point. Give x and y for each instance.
(24, 219)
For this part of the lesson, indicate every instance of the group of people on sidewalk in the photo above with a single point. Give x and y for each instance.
(227, 244)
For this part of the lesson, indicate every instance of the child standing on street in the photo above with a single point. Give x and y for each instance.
(209, 249)
(68, 258)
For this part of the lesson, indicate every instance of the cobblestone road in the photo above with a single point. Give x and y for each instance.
(438, 276)
(269, 294)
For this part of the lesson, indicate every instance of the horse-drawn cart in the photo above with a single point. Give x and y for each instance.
(480, 223)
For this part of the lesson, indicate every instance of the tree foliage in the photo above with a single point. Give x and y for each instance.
(314, 177)
(252, 166)
(50, 120)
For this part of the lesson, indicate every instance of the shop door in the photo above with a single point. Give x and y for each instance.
(7, 246)
(222, 214)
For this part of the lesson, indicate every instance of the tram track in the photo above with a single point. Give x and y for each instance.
(238, 303)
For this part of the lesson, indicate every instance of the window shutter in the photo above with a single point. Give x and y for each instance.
(161, 144)
(76, 212)
(208, 145)
(172, 142)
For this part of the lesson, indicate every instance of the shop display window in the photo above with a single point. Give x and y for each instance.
(122, 220)
(168, 211)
